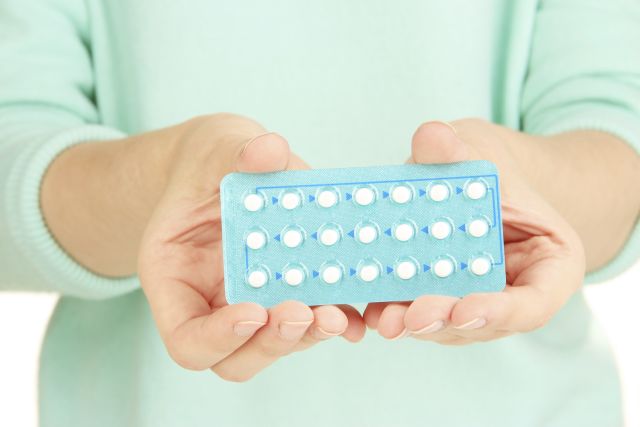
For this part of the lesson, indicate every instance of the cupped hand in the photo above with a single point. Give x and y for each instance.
(544, 256)
(180, 261)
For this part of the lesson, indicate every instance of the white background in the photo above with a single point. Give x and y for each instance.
(23, 318)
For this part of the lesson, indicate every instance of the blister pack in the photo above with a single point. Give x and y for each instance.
(358, 235)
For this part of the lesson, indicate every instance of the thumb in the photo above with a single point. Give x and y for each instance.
(268, 152)
(437, 142)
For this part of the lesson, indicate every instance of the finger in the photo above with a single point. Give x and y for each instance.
(203, 341)
(328, 321)
(429, 314)
(516, 309)
(437, 142)
(287, 325)
(356, 327)
(268, 152)
(549, 270)
(391, 323)
(372, 314)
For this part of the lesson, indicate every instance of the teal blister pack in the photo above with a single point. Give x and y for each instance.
(358, 235)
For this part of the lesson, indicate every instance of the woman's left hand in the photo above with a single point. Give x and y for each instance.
(545, 261)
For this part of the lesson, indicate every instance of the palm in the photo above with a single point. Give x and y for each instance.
(188, 248)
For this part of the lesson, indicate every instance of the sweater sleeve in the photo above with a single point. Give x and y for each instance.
(584, 73)
(47, 104)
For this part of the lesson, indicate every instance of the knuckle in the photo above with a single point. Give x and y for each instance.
(541, 320)
(270, 349)
(182, 359)
(231, 375)
(536, 322)
(471, 123)
(457, 341)
(219, 121)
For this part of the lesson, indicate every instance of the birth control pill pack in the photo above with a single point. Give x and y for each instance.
(357, 235)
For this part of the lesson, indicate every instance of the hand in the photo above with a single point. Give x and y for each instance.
(180, 261)
(545, 261)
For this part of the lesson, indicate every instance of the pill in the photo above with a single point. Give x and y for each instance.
(294, 276)
(439, 192)
(257, 278)
(256, 240)
(403, 232)
(253, 202)
(369, 272)
(329, 236)
(476, 190)
(327, 198)
(406, 269)
(364, 196)
(367, 234)
(291, 200)
(331, 274)
(292, 238)
(443, 267)
(440, 229)
(478, 227)
(480, 266)
(401, 194)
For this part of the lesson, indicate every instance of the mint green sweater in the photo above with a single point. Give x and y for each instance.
(347, 82)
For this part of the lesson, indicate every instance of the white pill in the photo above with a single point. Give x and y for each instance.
(367, 234)
(291, 200)
(369, 272)
(443, 268)
(478, 227)
(292, 238)
(253, 202)
(364, 196)
(329, 236)
(440, 230)
(480, 266)
(403, 232)
(476, 190)
(401, 194)
(327, 198)
(294, 276)
(406, 270)
(257, 278)
(439, 192)
(331, 274)
(256, 240)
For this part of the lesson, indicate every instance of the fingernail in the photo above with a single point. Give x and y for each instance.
(449, 125)
(247, 328)
(434, 327)
(321, 334)
(476, 323)
(293, 330)
(403, 334)
(249, 142)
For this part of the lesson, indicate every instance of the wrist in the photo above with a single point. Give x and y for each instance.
(96, 199)
(140, 167)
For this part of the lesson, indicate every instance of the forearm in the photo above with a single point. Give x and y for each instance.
(96, 199)
(592, 179)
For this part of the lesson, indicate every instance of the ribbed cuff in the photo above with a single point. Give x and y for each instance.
(625, 126)
(29, 231)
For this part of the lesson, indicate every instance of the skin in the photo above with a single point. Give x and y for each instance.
(545, 255)
(149, 204)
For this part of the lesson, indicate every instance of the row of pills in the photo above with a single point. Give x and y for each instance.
(367, 232)
(368, 270)
(365, 195)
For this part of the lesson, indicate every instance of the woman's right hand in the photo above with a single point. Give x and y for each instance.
(180, 258)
